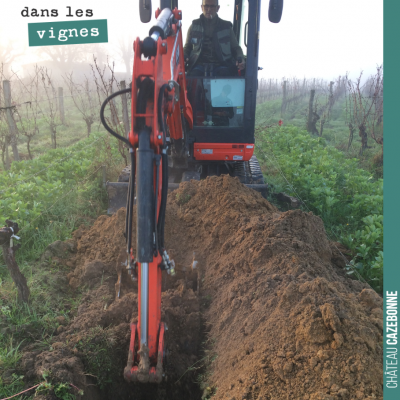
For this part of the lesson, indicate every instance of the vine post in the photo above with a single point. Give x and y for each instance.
(7, 234)
(283, 107)
(311, 112)
(12, 126)
(61, 104)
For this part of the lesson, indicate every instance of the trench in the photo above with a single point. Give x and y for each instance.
(180, 381)
(275, 305)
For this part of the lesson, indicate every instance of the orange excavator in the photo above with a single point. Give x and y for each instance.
(180, 132)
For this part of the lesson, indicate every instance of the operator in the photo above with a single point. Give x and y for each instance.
(211, 41)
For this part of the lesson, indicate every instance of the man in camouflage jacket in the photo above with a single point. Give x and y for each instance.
(211, 40)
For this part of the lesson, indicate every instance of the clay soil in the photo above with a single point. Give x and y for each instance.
(260, 307)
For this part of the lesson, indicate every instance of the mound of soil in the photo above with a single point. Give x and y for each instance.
(287, 322)
(260, 300)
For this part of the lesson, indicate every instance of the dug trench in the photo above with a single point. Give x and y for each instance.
(260, 308)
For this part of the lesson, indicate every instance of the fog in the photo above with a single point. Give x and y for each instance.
(315, 39)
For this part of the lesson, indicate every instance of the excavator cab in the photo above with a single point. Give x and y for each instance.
(222, 138)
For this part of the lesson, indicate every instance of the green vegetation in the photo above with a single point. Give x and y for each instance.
(49, 197)
(50, 194)
(99, 356)
(68, 134)
(335, 131)
(182, 198)
(31, 324)
(347, 198)
(62, 391)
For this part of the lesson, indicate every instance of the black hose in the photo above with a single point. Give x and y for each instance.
(157, 159)
(163, 206)
(103, 121)
(168, 4)
(129, 209)
(164, 166)
(161, 121)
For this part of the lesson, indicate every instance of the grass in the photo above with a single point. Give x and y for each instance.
(337, 183)
(347, 198)
(50, 296)
(71, 132)
(335, 132)
(10, 354)
(99, 356)
(182, 198)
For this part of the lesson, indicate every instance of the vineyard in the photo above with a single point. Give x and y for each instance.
(346, 113)
(317, 141)
(39, 112)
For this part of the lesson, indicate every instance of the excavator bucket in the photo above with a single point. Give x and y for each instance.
(138, 367)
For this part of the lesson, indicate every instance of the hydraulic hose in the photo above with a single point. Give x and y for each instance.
(161, 121)
(129, 205)
(103, 120)
(164, 194)
(164, 166)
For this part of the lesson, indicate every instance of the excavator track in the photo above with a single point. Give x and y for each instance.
(249, 172)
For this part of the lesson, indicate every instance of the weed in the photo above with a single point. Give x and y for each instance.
(182, 198)
(207, 300)
(9, 355)
(62, 391)
(99, 356)
(11, 385)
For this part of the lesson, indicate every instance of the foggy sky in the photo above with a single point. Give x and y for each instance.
(315, 38)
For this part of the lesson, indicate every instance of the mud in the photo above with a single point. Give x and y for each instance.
(261, 303)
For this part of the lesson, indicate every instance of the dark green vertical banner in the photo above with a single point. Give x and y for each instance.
(391, 208)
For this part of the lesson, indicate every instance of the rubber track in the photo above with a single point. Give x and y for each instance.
(249, 172)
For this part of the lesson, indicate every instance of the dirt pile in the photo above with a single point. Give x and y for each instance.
(286, 320)
(92, 348)
(281, 318)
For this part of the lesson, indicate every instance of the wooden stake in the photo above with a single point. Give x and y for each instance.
(12, 126)
(9, 259)
(61, 104)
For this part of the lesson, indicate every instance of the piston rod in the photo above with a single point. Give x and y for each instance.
(144, 302)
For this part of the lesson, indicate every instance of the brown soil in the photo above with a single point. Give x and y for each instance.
(268, 312)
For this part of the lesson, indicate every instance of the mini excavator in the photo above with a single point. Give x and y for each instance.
(179, 132)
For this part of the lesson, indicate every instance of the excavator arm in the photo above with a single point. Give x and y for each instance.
(161, 115)
(159, 107)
